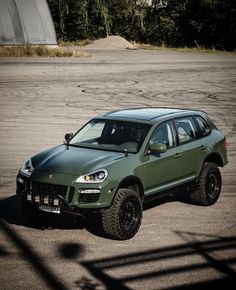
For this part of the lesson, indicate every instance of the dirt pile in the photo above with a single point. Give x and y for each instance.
(110, 42)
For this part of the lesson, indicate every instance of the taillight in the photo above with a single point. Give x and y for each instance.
(225, 144)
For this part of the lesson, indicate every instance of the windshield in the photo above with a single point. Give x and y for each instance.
(111, 135)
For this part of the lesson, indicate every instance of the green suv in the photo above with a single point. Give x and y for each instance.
(121, 159)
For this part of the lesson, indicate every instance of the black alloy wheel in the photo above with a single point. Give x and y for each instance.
(209, 185)
(213, 183)
(130, 214)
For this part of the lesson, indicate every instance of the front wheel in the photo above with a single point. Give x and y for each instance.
(123, 218)
(209, 185)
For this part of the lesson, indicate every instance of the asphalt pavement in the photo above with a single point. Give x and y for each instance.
(179, 245)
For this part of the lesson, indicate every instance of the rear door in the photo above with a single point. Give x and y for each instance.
(188, 148)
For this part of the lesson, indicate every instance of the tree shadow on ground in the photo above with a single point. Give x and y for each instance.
(209, 250)
(29, 254)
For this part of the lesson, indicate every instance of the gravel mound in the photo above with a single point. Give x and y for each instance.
(110, 42)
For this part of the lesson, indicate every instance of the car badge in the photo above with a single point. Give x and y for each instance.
(50, 176)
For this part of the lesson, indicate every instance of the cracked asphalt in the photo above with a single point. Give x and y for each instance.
(179, 245)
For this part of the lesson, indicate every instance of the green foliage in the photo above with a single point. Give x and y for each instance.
(179, 23)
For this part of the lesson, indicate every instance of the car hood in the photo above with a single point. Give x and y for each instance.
(73, 161)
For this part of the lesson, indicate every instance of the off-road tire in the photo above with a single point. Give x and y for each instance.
(123, 218)
(209, 185)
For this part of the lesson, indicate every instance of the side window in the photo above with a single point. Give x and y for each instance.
(185, 129)
(163, 134)
(203, 126)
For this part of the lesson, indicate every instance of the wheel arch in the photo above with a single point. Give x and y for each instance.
(134, 183)
(214, 158)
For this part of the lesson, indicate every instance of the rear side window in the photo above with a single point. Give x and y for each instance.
(203, 126)
(185, 129)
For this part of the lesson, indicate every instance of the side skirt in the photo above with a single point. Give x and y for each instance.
(188, 186)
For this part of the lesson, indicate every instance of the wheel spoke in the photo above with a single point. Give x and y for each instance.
(212, 184)
(129, 215)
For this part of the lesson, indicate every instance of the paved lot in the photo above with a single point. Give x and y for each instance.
(179, 245)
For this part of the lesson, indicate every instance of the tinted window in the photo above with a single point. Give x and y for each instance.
(203, 126)
(111, 135)
(185, 130)
(163, 134)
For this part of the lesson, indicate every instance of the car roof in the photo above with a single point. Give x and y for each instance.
(146, 114)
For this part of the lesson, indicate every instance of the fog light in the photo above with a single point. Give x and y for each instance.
(56, 201)
(20, 180)
(37, 198)
(46, 200)
(29, 197)
(89, 191)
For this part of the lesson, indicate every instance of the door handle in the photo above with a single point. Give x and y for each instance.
(202, 147)
(177, 155)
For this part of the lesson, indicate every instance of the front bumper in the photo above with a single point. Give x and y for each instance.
(69, 197)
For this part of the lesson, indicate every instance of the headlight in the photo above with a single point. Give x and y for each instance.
(93, 177)
(28, 168)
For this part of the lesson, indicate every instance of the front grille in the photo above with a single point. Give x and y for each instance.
(49, 189)
(71, 194)
(88, 197)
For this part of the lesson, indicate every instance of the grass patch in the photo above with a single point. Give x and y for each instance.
(185, 49)
(75, 43)
(40, 51)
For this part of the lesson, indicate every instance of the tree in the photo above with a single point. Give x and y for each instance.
(206, 23)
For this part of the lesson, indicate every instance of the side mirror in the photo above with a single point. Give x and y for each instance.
(157, 148)
(68, 137)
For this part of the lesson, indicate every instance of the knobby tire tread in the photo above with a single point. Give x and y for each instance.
(110, 216)
(199, 196)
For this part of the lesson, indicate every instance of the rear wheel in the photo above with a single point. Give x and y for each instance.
(123, 218)
(209, 185)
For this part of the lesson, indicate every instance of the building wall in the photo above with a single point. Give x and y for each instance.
(26, 22)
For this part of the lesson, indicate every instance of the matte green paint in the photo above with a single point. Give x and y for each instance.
(156, 172)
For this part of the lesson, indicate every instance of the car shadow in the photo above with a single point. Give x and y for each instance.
(93, 222)
(10, 211)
